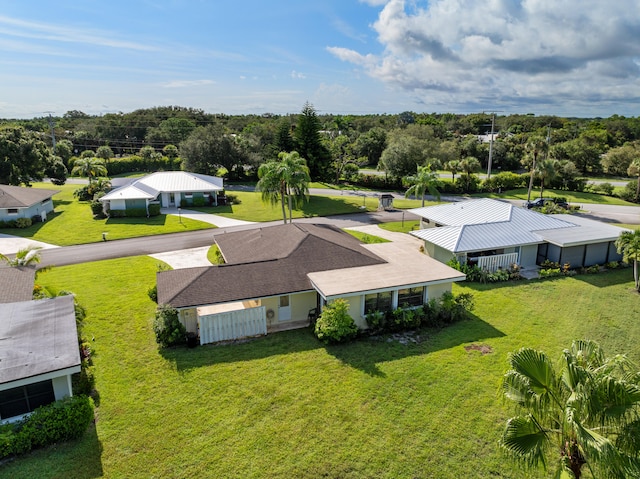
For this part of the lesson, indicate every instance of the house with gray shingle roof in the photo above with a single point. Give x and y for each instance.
(22, 202)
(38, 345)
(495, 234)
(276, 277)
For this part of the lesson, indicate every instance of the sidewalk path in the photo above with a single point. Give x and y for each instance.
(217, 220)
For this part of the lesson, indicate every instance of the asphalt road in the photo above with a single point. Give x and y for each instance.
(192, 239)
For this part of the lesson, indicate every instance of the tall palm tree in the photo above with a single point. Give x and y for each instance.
(89, 167)
(453, 166)
(286, 180)
(586, 414)
(628, 244)
(535, 147)
(546, 171)
(425, 180)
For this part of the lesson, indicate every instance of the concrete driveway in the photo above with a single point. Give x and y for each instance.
(217, 220)
(12, 244)
(185, 258)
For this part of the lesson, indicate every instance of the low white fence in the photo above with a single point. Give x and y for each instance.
(498, 261)
(226, 326)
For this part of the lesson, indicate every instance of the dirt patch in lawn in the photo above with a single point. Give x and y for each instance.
(483, 348)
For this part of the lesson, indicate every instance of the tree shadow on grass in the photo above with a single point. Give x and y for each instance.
(367, 354)
(281, 343)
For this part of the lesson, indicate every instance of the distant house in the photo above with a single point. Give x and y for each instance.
(495, 234)
(38, 353)
(21, 202)
(280, 277)
(166, 188)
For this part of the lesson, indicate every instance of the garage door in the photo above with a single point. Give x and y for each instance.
(230, 325)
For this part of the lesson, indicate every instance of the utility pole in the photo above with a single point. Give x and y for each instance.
(493, 124)
(53, 133)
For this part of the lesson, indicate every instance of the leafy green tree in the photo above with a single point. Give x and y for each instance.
(628, 244)
(617, 160)
(371, 144)
(208, 148)
(309, 143)
(171, 131)
(171, 151)
(283, 140)
(585, 414)
(23, 157)
(64, 149)
(56, 171)
(342, 153)
(88, 154)
(402, 156)
(286, 180)
(425, 180)
(89, 167)
(104, 153)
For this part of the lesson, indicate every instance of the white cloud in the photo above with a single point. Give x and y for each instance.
(187, 83)
(298, 75)
(510, 51)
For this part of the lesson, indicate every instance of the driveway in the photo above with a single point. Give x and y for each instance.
(217, 220)
(12, 244)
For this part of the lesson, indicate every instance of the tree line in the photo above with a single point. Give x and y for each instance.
(335, 147)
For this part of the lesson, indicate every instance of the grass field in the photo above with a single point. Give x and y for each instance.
(286, 406)
(570, 196)
(73, 223)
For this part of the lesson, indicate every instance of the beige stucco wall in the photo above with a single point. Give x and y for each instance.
(301, 303)
(441, 254)
(189, 319)
(436, 290)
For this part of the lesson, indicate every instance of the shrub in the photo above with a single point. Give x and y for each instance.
(152, 292)
(59, 421)
(405, 318)
(23, 222)
(233, 199)
(167, 327)
(154, 209)
(96, 207)
(198, 201)
(334, 324)
(375, 321)
(612, 265)
(136, 212)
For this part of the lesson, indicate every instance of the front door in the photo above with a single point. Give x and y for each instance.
(172, 199)
(284, 308)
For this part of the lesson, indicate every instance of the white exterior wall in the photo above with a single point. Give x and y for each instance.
(437, 290)
(189, 319)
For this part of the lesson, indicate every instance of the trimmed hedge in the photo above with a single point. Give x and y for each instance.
(62, 420)
(154, 210)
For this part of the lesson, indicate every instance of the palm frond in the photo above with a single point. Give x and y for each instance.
(524, 439)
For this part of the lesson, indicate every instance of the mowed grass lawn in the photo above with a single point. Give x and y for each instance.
(286, 406)
(570, 196)
(73, 223)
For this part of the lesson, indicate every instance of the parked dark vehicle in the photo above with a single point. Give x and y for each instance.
(540, 202)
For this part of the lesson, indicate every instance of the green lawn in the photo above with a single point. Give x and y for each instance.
(286, 406)
(251, 207)
(73, 223)
(571, 196)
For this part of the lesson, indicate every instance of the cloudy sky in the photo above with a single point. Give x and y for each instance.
(559, 57)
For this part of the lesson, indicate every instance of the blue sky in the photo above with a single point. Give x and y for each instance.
(569, 58)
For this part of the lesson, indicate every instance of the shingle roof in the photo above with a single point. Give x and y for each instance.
(38, 337)
(22, 197)
(165, 181)
(297, 250)
(16, 284)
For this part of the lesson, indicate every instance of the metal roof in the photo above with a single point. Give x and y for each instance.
(150, 186)
(37, 337)
(466, 212)
(587, 232)
(492, 224)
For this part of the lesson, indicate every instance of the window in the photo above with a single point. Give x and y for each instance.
(284, 301)
(24, 399)
(12, 211)
(188, 195)
(378, 302)
(44, 202)
(411, 296)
